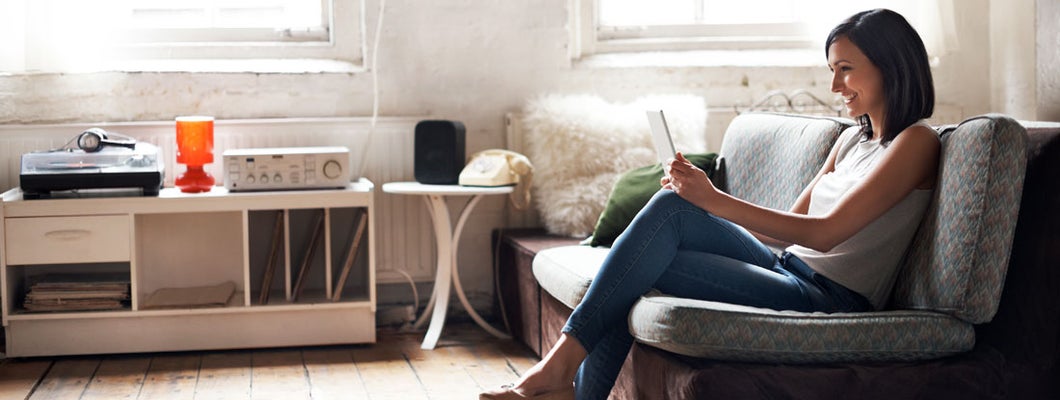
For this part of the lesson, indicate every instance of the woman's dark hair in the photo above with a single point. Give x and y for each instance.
(890, 43)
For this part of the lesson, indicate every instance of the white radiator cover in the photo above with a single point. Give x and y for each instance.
(403, 226)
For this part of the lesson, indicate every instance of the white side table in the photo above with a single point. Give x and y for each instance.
(448, 242)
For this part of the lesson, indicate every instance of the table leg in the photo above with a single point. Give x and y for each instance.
(448, 244)
(456, 272)
(440, 296)
(434, 291)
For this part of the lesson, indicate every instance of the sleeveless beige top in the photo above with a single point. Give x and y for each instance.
(867, 262)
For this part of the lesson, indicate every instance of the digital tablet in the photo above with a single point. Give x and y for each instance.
(660, 136)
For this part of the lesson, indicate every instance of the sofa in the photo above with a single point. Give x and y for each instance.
(971, 315)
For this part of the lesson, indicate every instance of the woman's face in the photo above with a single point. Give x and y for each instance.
(856, 79)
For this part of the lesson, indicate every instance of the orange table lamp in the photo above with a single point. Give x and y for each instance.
(195, 149)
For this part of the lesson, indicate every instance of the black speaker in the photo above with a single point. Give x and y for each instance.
(439, 149)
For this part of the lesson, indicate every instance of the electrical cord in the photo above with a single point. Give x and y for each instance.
(415, 298)
(371, 132)
(375, 87)
(364, 162)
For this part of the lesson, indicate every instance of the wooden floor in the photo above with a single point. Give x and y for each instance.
(466, 361)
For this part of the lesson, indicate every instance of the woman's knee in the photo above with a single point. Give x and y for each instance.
(663, 204)
(667, 199)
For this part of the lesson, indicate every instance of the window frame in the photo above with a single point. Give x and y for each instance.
(340, 45)
(589, 38)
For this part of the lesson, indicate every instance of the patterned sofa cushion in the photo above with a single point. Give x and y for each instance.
(733, 332)
(959, 257)
(759, 145)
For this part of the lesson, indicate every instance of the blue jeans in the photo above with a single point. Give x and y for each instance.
(682, 250)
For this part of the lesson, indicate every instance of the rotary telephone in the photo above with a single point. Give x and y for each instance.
(496, 167)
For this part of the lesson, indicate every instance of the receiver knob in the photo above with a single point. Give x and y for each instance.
(332, 169)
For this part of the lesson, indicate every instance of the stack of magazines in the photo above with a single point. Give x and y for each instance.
(78, 292)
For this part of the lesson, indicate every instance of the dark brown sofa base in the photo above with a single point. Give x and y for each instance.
(535, 317)
(1016, 355)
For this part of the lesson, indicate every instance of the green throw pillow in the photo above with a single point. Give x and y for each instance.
(632, 192)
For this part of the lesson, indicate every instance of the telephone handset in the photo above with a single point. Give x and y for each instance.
(496, 167)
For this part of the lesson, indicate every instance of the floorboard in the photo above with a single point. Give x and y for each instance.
(224, 376)
(18, 378)
(333, 374)
(66, 379)
(386, 371)
(491, 368)
(171, 377)
(466, 361)
(118, 378)
(278, 374)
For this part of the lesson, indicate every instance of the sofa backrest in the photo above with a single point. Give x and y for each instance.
(959, 256)
(769, 158)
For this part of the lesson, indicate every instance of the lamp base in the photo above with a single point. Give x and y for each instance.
(194, 180)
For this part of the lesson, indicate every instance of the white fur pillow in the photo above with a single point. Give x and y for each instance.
(581, 144)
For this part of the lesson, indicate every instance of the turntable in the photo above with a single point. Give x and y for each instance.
(50, 173)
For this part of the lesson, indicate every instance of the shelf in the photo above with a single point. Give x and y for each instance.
(310, 297)
(23, 315)
(180, 240)
(172, 200)
(230, 309)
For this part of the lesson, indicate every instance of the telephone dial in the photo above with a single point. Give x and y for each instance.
(496, 167)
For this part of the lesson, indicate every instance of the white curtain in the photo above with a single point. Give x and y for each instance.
(12, 36)
(937, 26)
(934, 20)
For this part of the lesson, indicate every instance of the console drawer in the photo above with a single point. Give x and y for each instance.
(59, 240)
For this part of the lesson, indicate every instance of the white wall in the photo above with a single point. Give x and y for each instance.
(1012, 62)
(471, 60)
(1048, 59)
(1025, 58)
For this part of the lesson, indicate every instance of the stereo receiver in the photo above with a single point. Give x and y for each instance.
(286, 168)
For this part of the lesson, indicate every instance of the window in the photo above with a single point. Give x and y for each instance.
(612, 26)
(78, 35)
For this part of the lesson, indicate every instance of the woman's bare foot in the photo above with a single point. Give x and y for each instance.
(554, 372)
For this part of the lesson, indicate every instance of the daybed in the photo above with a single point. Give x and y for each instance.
(974, 313)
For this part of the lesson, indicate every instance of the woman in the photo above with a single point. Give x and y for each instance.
(844, 235)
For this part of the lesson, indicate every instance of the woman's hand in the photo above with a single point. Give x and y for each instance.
(688, 181)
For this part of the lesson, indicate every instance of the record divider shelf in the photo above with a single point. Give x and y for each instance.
(179, 240)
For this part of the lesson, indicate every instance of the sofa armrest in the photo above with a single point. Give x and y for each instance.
(1026, 328)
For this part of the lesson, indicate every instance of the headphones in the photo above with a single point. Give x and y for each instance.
(94, 139)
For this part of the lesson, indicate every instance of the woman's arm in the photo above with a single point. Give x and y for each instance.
(802, 203)
(911, 162)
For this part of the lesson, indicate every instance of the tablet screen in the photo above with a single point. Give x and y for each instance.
(660, 136)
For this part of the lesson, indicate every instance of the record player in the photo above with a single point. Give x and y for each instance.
(136, 166)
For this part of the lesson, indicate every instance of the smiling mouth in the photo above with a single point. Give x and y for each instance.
(848, 99)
